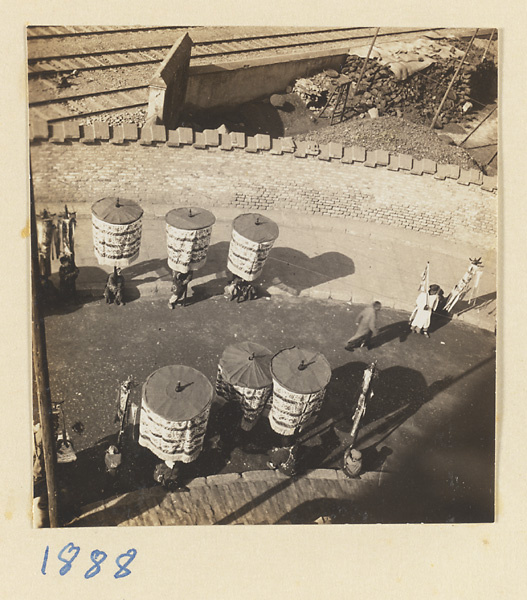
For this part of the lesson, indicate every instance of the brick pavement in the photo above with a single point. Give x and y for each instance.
(251, 498)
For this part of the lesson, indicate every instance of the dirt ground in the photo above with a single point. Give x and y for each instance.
(432, 416)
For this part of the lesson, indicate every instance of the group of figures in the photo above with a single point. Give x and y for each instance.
(288, 386)
(56, 239)
(431, 299)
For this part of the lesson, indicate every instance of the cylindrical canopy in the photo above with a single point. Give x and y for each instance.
(174, 412)
(188, 232)
(244, 376)
(300, 378)
(253, 236)
(117, 226)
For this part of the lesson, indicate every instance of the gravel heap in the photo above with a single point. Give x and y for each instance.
(392, 134)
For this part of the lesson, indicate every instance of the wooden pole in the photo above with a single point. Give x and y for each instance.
(40, 369)
(362, 70)
(453, 80)
(488, 45)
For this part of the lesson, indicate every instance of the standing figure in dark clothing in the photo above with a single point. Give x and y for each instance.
(68, 273)
(179, 289)
(285, 457)
(114, 290)
(367, 327)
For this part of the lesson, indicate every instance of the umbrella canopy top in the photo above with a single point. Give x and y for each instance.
(118, 211)
(301, 371)
(190, 217)
(247, 364)
(256, 228)
(177, 393)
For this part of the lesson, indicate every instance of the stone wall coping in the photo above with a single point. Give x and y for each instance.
(67, 133)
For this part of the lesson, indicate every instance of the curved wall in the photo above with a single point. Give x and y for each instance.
(264, 174)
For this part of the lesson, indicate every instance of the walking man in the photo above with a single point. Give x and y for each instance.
(367, 327)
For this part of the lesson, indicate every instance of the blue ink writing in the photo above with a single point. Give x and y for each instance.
(68, 561)
(45, 561)
(98, 557)
(123, 570)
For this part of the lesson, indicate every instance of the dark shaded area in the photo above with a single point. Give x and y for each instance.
(298, 271)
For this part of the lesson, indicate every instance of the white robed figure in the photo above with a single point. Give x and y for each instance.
(425, 304)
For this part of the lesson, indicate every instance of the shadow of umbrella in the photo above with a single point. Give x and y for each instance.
(297, 271)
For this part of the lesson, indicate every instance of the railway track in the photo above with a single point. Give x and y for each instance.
(57, 105)
(57, 64)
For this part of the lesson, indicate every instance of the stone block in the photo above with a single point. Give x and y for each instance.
(301, 150)
(406, 162)
(102, 130)
(173, 138)
(265, 475)
(335, 150)
(117, 134)
(324, 152)
(417, 168)
(263, 141)
(429, 166)
(130, 132)
(223, 479)
(212, 137)
(464, 177)
(323, 474)
(251, 145)
(312, 148)
(186, 135)
(238, 139)
(88, 134)
(226, 141)
(347, 156)
(393, 165)
(476, 176)
(358, 153)
(197, 482)
(276, 146)
(288, 145)
(442, 171)
(453, 171)
(199, 140)
(71, 131)
(371, 159)
(57, 133)
(38, 130)
(382, 157)
(489, 183)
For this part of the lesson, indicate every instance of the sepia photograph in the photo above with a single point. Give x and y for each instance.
(263, 274)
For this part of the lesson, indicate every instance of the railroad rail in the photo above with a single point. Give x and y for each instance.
(57, 64)
(207, 48)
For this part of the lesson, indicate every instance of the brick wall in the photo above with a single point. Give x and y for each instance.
(264, 174)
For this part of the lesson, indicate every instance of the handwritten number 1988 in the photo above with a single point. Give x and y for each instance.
(70, 552)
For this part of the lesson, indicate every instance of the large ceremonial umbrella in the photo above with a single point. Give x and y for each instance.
(174, 413)
(253, 236)
(244, 376)
(117, 225)
(300, 378)
(188, 237)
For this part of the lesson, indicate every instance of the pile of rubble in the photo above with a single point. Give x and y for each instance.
(385, 90)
